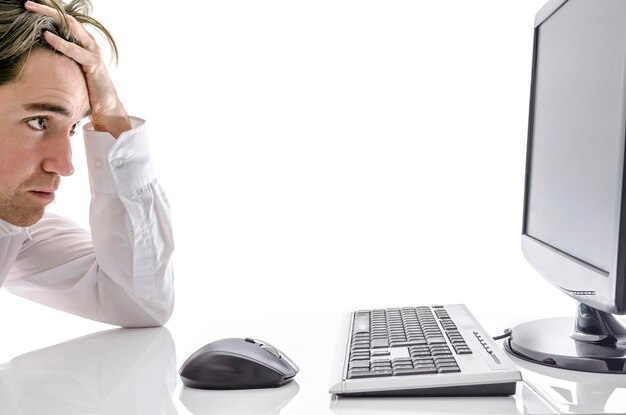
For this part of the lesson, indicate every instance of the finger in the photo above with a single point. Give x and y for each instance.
(72, 50)
(76, 29)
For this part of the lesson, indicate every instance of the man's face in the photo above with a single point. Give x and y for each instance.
(38, 114)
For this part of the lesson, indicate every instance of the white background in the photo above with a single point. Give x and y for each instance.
(325, 156)
(320, 157)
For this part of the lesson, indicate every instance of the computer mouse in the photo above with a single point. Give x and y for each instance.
(237, 363)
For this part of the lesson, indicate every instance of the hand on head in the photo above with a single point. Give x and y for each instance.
(107, 111)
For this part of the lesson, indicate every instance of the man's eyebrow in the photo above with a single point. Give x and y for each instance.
(49, 107)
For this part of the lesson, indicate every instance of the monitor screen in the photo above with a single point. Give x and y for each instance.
(577, 131)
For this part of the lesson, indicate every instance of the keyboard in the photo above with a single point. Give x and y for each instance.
(420, 351)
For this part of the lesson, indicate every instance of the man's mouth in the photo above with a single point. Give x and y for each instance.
(46, 195)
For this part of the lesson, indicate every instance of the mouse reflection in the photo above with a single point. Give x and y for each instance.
(238, 402)
(121, 371)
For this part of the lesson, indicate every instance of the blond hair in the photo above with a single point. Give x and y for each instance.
(21, 30)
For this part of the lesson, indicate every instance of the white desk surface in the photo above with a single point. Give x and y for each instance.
(98, 369)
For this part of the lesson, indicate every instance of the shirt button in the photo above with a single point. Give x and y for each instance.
(98, 163)
(117, 163)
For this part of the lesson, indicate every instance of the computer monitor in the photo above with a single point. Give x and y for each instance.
(574, 225)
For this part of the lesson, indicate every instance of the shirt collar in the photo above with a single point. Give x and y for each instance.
(7, 229)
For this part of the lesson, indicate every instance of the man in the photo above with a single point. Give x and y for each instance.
(51, 76)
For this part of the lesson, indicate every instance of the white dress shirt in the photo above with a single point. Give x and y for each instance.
(121, 273)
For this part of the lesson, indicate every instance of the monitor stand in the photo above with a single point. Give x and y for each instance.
(595, 341)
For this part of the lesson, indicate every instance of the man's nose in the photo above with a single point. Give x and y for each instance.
(58, 155)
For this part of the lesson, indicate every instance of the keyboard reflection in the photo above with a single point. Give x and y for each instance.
(424, 405)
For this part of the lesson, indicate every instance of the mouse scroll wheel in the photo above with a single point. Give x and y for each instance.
(271, 350)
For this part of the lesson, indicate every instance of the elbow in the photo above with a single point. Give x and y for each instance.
(155, 314)
(151, 309)
(163, 316)
(158, 308)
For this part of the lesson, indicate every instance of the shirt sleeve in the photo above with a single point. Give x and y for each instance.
(121, 273)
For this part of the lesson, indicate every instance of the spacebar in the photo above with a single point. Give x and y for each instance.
(361, 324)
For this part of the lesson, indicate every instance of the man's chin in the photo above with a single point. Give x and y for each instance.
(22, 219)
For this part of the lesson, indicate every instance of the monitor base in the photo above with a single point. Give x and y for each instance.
(549, 342)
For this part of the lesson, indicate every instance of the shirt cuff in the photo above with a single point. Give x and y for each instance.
(119, 166)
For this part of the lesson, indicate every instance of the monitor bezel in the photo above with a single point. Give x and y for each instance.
(586, 283)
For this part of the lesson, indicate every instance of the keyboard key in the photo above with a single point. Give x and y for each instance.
(421, 354)
(448, 369)
(429, 367)
(435, 340)
(378, 343)
(359, 369)
(427, 371)
(361, 323)
(359, 364)
(374, 374)
(402, 361)
(381, 362)
(444, 360)
(404, 372)
(442, 346)
(364, 353)
(361, 346)
(408, 343)
(422, 360)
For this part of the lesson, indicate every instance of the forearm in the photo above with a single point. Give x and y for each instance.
(130, 219)
(133, 244)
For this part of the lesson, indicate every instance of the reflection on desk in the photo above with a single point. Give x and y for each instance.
(571, 392)
(424, 405)
(122, 371)
(238, 402)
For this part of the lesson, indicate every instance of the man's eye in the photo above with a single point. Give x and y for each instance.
(74, 127)
(37, 123)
